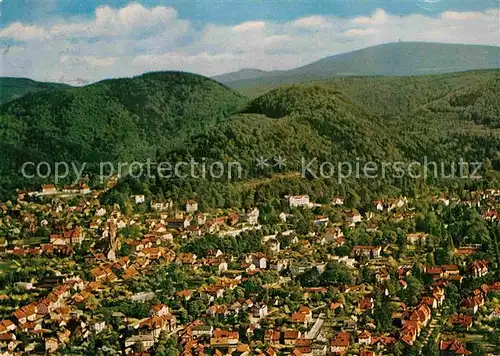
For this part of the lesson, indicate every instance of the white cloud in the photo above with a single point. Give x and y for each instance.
(90, 61)
(135, 39)
(310, 22)
(460, 16)
(132, 19)
(360, 32)
(379, 17)
(19, 32)
(249, 26)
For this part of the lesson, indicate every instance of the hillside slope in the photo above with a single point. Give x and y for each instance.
(119, 119)
(440, 119)
(14, 88)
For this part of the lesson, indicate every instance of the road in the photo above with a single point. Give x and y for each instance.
(316, 327)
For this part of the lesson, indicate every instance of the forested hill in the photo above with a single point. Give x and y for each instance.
(171, 116)
(119, 119)
(391, 59)
(444, 118)
(13, 88)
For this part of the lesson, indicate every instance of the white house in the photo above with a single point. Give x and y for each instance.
(337, 200)
(139, 199)
(298, 200)
(253, 216)
(191, 206)
(353, 217)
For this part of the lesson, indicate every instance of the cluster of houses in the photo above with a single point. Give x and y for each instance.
(122, 249)
(81, 188)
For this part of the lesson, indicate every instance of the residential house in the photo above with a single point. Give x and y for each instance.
(298, 200)
(224, 338)
(353, 217)
(252, 216)
(191, 206)
(337, 200)
(273, 245)
(450, 270)
(479, 268)
(48, 189)
(435, 272)
(213, 292)
(461, 320)
(201, 219)
(495, 314)
(365, 338)
(490, 215)
(378, 204)
(422, 314)
(340, 343)
(272, 336)
(302, 316)
(382, 342)
(139, 199)
(162, 206)
(145, 341)
(278, 265)
(51, 345)
(233, 219)
(20, 316)
(452, 348)
(186, 258)
(259, 311)
(260, 261)
(202, 330)
(334, 235)
(290, 337)
(184, 294)
(219, 311)
(99, 326)
(471, 304)
(159, 310)
(303, 347)
(366, 304)
(71, 237)
(417, 238)
(368, 251)
(179, 223)
(430, 301)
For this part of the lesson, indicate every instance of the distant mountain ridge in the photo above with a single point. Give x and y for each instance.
(391, 59)
(242, 74)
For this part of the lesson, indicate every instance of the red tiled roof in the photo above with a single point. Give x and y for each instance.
(454, 345)
(342, 339)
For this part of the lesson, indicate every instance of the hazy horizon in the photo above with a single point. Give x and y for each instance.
(99, 40)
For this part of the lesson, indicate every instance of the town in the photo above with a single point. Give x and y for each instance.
(404, 276)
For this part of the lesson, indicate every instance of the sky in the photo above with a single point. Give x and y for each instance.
(79, 42)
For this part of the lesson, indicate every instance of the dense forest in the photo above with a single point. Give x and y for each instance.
(173, 117)
(441, 118)
(113, 120)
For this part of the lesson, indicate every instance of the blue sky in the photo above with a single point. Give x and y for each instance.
(235, 11)
(80, 41)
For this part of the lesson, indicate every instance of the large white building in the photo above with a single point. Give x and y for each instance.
(298, 200)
